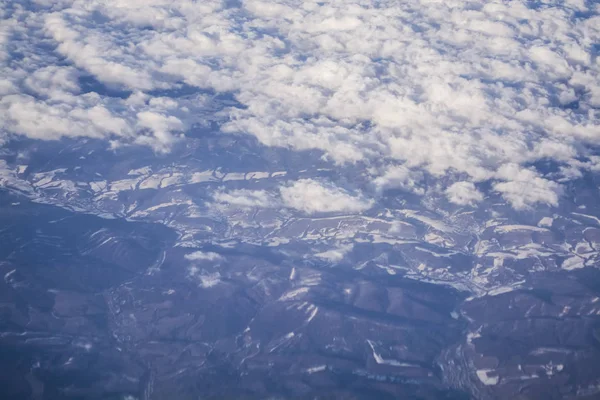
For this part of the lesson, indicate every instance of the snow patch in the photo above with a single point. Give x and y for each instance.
(318, 368)
(546, 222)
(293, 294)
(512, 228)
(487, 380)
(572, 263)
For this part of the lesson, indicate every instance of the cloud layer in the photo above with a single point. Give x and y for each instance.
(472, 89)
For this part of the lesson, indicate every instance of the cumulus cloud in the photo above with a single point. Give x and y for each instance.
(40, 120)
(463, 193)
(436, 87)
(245, 198)
(54, 82)
(161, 126)
(400, 177)
(311, 196)
(524, 187)
(203, 256)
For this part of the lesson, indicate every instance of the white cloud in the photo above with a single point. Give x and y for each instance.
(41, 120)
(524, 187)
(203, 256)
(400, 177)
(88, 49)
(463, 193)
(310, 196)
(54, 82)
(161, 126)
(205, 279)
(245, 198)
